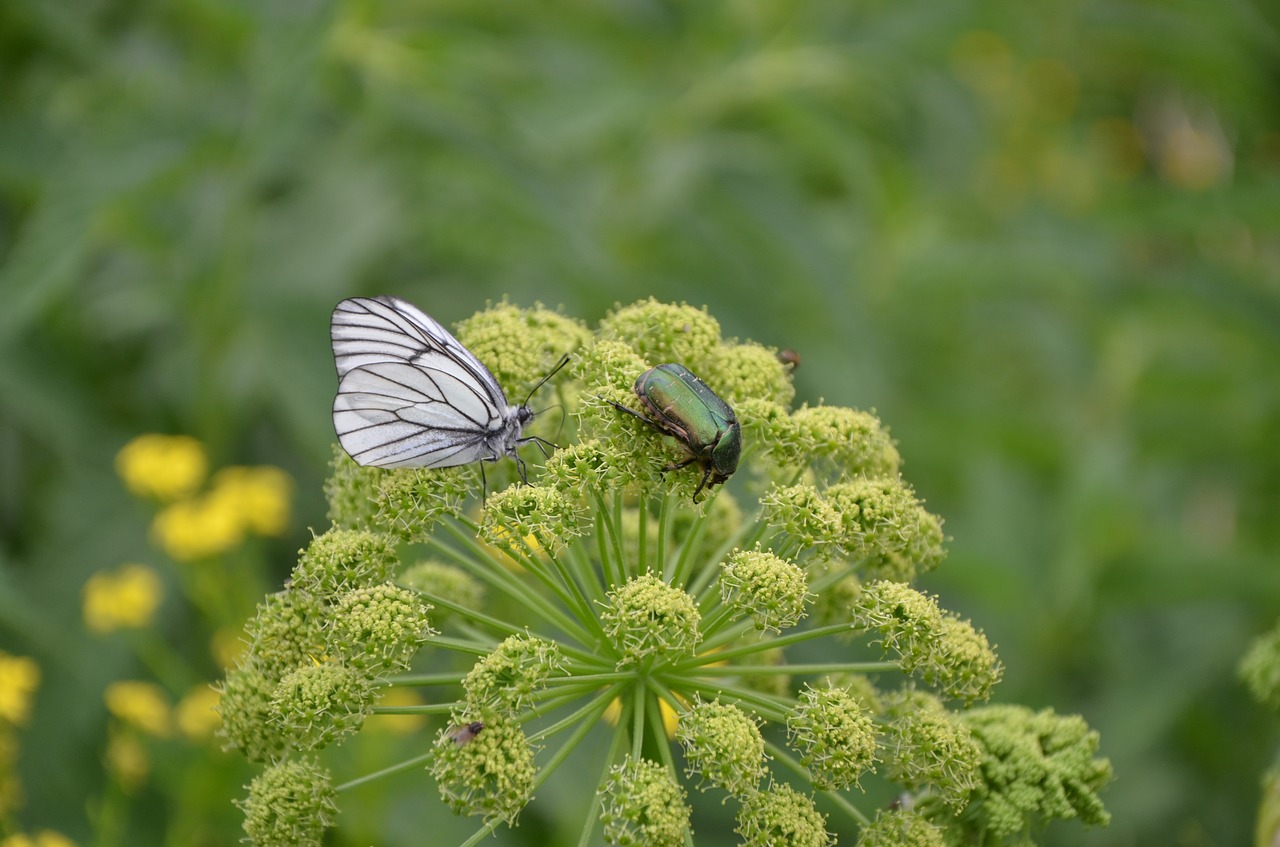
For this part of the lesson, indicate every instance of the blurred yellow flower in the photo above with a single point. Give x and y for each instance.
(127, 760)
(127, 598)
(162, 466)
(140, 704)
(227, 646)
(260, 495)
(399, 724)
(19, 679)
(669, 717)
(195, 713)
(43, 838)
(198, 528)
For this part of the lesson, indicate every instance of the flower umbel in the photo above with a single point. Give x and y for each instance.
(599, 598)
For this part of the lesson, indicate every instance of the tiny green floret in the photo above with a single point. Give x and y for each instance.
(782, 815)
(445, 581)
(248, 719)
(350, 491)
(286, 632)
(491, 775)
(642, 805)
(835, 736)
(768, 589)
(923, 744)
(519, 346)
(806, 517)
(510, 516)
(848, 442)
(343, 559)
(1036, 766)
(647, 620)
(665, 332)
(901, 828)
(290, 804)
(321, 704)
(723, 744)
(410, 502)
(1260, 668)
(743, 372)
(378, 629)
(505, 681)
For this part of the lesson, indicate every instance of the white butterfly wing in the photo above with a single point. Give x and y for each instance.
(410, 395)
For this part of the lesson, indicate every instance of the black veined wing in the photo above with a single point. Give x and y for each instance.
(410, 395)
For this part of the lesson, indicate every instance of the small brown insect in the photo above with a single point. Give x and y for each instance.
(790, 358)
(462, 734)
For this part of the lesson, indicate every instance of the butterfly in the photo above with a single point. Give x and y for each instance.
(411, 396)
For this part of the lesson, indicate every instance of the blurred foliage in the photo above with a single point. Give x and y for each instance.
(1043, 241)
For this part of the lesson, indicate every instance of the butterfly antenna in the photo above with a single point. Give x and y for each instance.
(564, 360)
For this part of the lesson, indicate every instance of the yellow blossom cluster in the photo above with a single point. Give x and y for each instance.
(198, 524)
(19, 679)
(124, 599)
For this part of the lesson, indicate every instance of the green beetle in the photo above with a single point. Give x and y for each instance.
(677, 403)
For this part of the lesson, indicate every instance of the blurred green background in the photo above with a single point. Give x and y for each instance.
(1041, 240)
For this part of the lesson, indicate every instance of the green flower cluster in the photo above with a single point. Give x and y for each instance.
(600, 594)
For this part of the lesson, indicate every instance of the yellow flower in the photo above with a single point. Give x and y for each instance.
(19, 679)
(195, 713)
(127, 598)
(260, 495)
(198, 528)
(141, 704)
(227, 646)
(669, 716)
(399, 724)
(43, 838)
(162, 466)
(127, 760)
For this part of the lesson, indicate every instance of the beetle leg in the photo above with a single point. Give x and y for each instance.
(675, 466)
(706, 474)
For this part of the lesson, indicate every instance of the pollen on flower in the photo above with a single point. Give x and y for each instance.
(742, 372)
(248, 718)
(143, 705)
(549, 515)
(924, 744)
(286, 633)
(506, 680)
(445, 582)
(781, 815)
(803, 514)
(835, 736)
(1035, 766)
(768, 589)
(290, 803)
(491, 775)
(165, 467)
(722, 744)
(19, 679)
(318, 705)
(643, 806)
(410, 502)
(647, 619)
(1260, 668)
(901, 828)
(378, 629)
(126, 598)
(844, 442)
(350, 491)
(519, 346)
(342, 559)
(665, 332)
